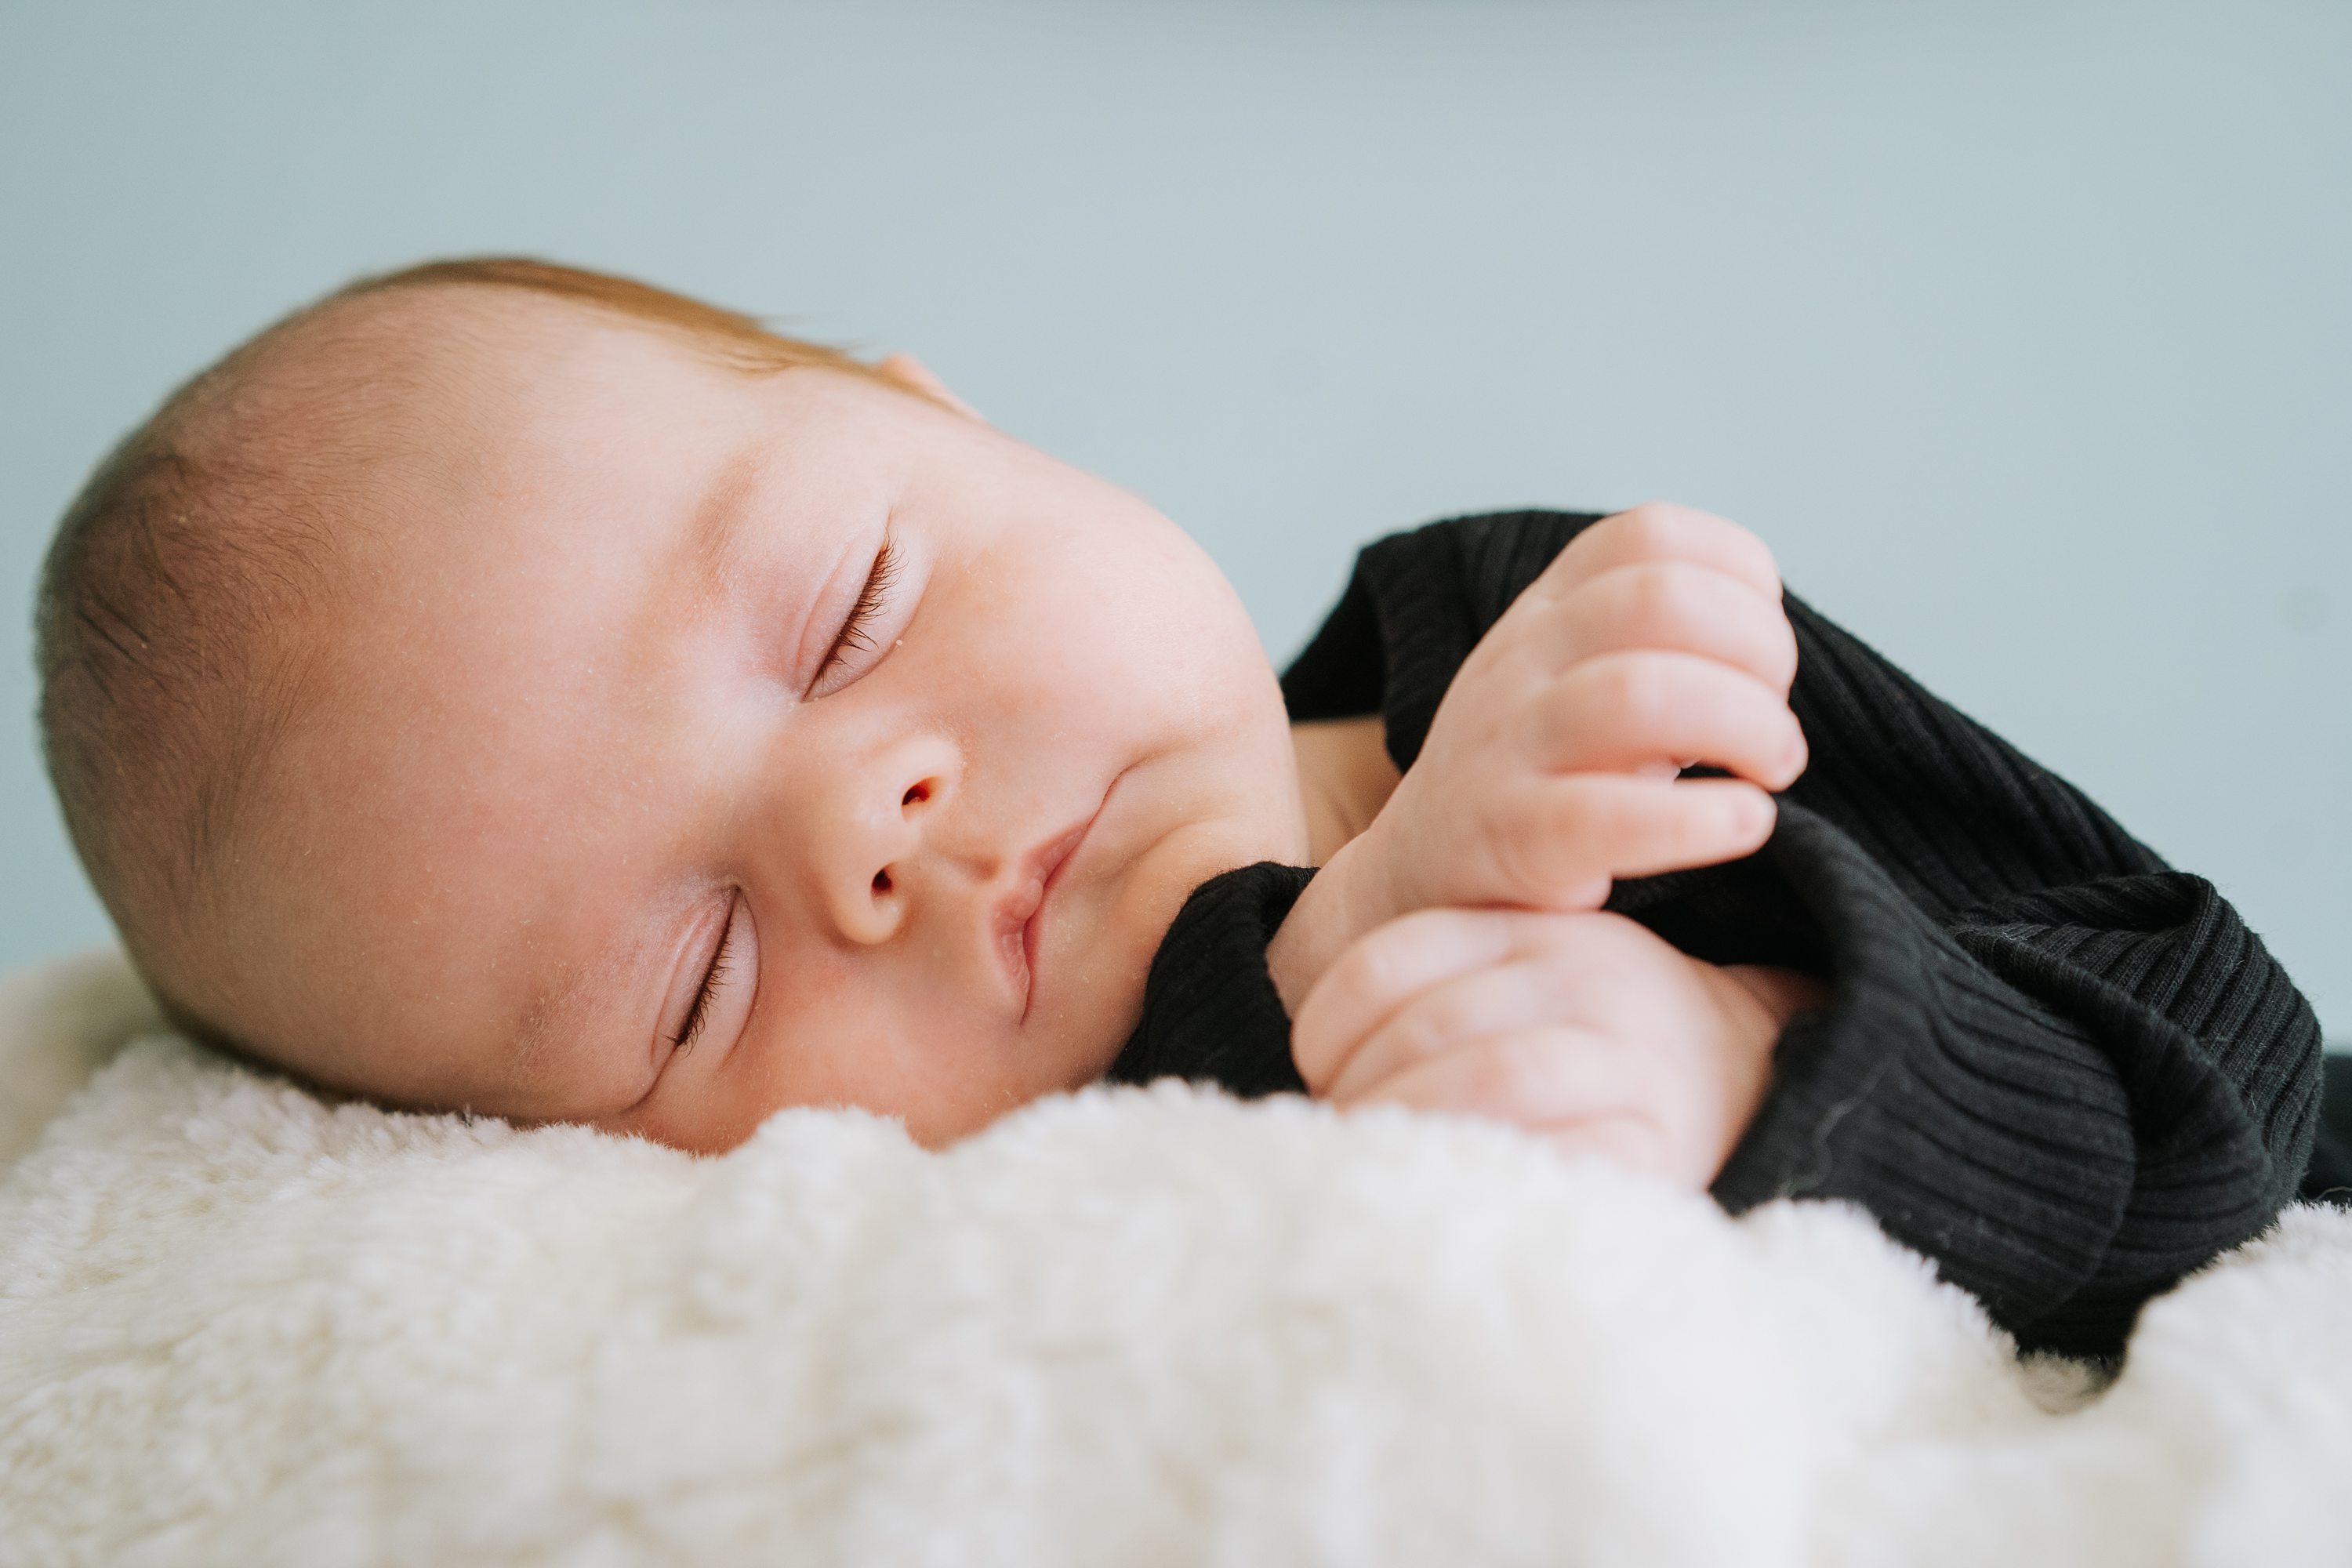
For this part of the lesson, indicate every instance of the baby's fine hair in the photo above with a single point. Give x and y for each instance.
(180, 592)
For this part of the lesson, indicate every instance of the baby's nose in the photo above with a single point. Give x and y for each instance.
(870, 877)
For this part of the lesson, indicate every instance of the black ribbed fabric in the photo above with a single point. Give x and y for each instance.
(1209, 1007)
(2062, 1070)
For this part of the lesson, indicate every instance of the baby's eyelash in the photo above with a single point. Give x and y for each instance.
(870, 598)
(691, 1030)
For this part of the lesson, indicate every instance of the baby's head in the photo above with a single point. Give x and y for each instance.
(508, 687)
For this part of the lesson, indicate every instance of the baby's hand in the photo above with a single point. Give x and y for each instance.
(1655, 639)
(1584, 1028)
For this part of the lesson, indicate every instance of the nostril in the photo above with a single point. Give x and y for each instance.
(915, 795)
(881, 884)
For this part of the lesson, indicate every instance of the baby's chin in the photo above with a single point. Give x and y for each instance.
(938, 1122)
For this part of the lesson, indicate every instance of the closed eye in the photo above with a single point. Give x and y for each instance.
(856, 631)
(697, 1012)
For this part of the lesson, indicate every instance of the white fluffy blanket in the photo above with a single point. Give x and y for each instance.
(1137, 1327)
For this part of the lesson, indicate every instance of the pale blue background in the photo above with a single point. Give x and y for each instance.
(2022, 331)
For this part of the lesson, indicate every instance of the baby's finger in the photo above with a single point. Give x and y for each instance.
(1673, 604)
(1567, 830)
(1660, 531)
(1623, 709)
(1584, 1094)
(1384, 970)
(1499, 998)
(1548, 1079)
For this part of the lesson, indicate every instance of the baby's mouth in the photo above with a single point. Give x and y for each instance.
(1020, 914)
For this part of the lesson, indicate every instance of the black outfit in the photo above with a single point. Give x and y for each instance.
(2061, 1069)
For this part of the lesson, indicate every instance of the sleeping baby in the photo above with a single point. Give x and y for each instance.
(511, 688)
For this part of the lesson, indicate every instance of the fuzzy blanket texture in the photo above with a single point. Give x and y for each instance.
(1136, 1327)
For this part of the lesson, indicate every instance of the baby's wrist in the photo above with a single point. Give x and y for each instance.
(1782, 994)
(1347, 898)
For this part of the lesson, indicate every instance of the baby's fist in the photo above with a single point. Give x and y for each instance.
(1655, 639)
(1586, 1029)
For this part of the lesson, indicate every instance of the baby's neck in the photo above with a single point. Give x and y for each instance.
(1345, 777)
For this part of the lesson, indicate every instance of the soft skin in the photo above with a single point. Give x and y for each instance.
(676, 745)
(590, 712)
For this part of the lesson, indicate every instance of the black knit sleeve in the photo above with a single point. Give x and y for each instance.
(2064, 1072)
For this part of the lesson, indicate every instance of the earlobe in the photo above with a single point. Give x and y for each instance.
(914, 374)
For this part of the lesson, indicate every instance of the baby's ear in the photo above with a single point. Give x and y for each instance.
(909, 372)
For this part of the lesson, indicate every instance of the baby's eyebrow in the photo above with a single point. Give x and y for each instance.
(586, 1004)
(549, 1020)
(715, 534)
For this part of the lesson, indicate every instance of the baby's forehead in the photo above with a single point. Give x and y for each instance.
(495, 570)
(415, 428)
(389, 453)
(427, 377)
(440, 359)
